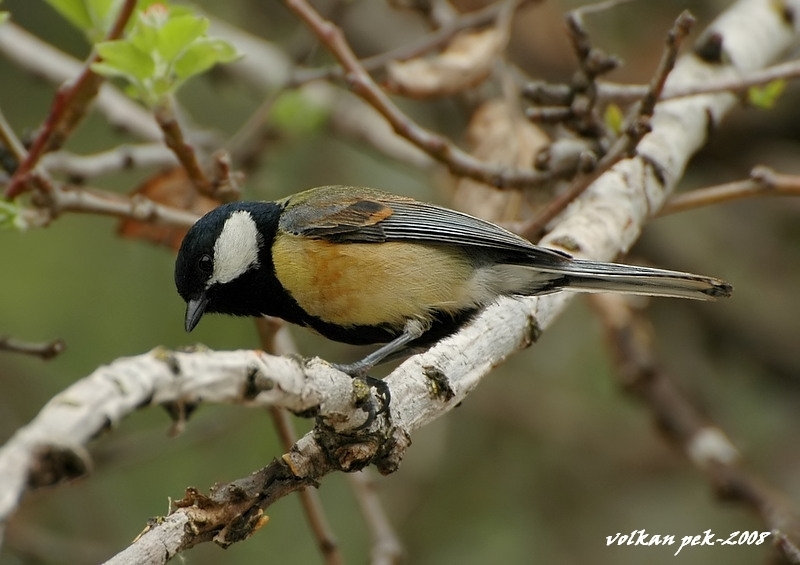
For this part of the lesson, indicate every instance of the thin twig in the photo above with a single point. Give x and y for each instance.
(269, 330)
(763, 181)
(787, 70)
(579, 112)
(53, 199)
(120, 158)
(621, 149)
(68, 109)
(411, 50)
(683, 25)
(638, 126)
(599, 7)
(174, 139)
(630, 338)
(437, 146)
(627, 93)
(309, 497)
(10, 140)
(42, 60)
(46, 350)
(386, 547)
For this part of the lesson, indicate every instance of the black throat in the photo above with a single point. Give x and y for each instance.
(257, 292)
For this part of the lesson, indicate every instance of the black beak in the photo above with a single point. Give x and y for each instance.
(194, 311)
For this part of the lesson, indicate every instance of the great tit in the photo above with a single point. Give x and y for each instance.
(363, 266)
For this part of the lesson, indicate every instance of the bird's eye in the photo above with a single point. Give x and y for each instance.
(206, 264)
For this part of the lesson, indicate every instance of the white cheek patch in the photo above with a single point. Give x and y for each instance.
(236, 248)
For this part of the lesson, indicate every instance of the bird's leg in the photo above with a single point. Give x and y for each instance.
(358, 370)
(412, 330)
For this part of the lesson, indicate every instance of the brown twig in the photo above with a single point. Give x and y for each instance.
(631, 341)
(269, 330)
(437, 146)
(120, 158)
(787, 70)
(386, 547)
(234, 511)
(10, 140)
(763, 181)
(593, 62)
(627, 93)
(621, 149)
(68, 109)
(309, 498)
(638, 126)
(52, 199)
(46, 350)
(174, 139)
(575, 105)
(683, 25)
(417, 48)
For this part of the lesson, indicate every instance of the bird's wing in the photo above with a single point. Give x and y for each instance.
(336, 217)
(375, 217)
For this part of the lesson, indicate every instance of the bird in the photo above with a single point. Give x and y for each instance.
(362, 266)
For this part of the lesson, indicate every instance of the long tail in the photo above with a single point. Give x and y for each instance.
(592, 276)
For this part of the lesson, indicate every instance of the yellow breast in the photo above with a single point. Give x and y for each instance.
(371, 283)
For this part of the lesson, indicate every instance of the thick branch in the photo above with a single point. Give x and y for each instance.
(160, 377)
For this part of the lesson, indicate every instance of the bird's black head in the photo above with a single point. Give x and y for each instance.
(221, 259)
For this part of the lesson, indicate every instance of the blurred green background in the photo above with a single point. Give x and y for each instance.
(542, 462)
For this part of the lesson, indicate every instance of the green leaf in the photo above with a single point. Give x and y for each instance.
(203, 54)
(162, 86)
(74, 11)
(766, 96)
(4, 16)
(178, 33)
(126, 58)
(11, 216)
(110, 71)
(144, 37)
(93, 17)
(166, 46)
(101, 11)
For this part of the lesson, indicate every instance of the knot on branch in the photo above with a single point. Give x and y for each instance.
(233, 512)
(54, 464)
(352, 452)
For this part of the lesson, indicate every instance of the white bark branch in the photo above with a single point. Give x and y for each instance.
(51, 447)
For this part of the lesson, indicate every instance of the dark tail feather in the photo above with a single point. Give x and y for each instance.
(592, 276)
